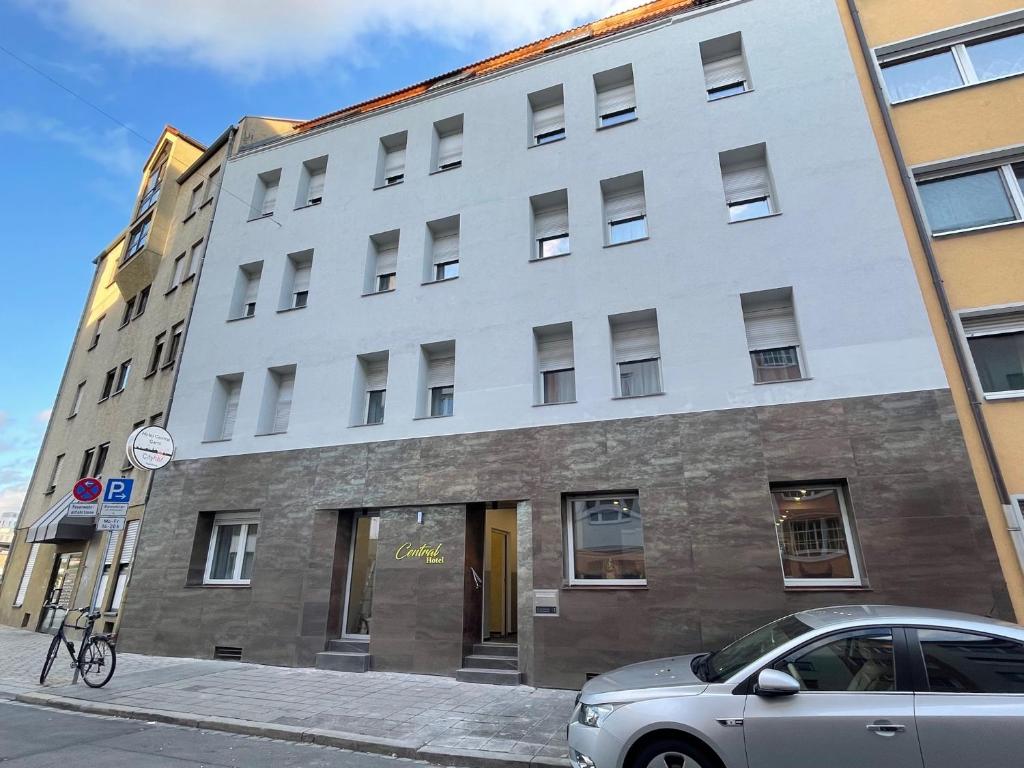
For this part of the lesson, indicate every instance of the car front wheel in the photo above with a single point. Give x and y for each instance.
(670, 753)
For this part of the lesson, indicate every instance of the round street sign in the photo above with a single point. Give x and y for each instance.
(149, 447)
(87, 489)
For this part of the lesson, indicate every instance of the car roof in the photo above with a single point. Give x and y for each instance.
(854, 615)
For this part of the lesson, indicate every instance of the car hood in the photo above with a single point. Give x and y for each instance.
(646, 680)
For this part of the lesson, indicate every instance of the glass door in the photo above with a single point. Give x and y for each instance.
(362, 562)
(62, 589)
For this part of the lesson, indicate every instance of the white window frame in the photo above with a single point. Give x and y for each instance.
(570, 547)
(221, 520)
(1018, 309)
(1015, 523)
(851, 542)
(1010, 185)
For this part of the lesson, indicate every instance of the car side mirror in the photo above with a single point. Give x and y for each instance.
(772, 682)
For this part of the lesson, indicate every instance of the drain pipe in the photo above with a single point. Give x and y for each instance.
(925, 236)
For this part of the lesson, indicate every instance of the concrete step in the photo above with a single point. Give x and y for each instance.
(349, 646)
(490, 676)
(496, 649)
(343, 661)
(490, 662)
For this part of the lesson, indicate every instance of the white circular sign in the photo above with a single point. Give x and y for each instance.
(149, 447)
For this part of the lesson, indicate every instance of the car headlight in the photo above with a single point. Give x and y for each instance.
(595, 714)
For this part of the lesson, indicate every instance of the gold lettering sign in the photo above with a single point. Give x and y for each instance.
(431, 555)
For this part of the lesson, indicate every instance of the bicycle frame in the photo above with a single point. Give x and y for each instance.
(69, 646)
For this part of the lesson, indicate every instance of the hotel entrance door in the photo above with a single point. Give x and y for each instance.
(362, 565)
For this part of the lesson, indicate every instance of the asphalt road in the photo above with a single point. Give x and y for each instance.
(34, 737)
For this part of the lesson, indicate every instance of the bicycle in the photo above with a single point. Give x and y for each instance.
(95, 659)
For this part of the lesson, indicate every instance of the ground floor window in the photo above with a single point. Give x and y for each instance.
(816, 541)
(232, 549)
(605, 540)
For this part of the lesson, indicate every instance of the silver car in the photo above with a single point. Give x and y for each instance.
(850, 686)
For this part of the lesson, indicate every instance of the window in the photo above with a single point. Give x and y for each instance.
(77, 402)
(382, 262)
(195, 258)
(772, 337)
(211, 187)
(556, 367)
(550, 224)
(616, 97)
(178, 274)
(172, 349)
(126, 315)
(142, 302)
(391, 159)
(996, 342)
(87, 458)
(156, 420)
(605, 540)
(962, 662)
(625, 208)
(547, 115)
(153, 181)
(131, 537)
(55, 472)
(448, 144)
(96, 331)
(439, 377)
(443, 246)
(247, 286)
(295, 287)
(311, 182)
(108, 563)
(747, 183)
(374, 375)
(979, 198)
(232, 549)
(26, 575)
(725, 69)
(860, 661)
(101, 459)
(910, 76)
(227, 393)
(815, 536)
(122, 376)
(126, 464)
(636, 349)
(277, 400)
(108, 384)
(157, 353)
(264, 198)
(137, 239)
(195, 199)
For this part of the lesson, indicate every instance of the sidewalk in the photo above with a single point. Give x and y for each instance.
(418, 716)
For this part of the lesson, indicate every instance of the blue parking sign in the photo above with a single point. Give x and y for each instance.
(118, 490)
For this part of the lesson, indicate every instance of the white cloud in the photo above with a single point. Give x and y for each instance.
(257, 37)
(11, 500)
(43, 417)
(110, 148)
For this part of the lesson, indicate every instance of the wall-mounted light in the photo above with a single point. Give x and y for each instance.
(419, 516)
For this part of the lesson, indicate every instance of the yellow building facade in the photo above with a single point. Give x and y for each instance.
(944, 84)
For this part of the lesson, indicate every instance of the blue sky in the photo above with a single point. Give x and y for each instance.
(71, 174)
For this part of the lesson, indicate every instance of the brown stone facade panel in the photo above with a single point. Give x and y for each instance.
(703, 480)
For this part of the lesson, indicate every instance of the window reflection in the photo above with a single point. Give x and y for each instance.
(607, 539)
(812, 531)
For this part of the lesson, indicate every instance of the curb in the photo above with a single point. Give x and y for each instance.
(466, 758)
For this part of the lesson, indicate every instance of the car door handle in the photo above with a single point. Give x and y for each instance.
(886, 729)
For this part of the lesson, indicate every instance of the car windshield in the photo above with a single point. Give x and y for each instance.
(748, 649)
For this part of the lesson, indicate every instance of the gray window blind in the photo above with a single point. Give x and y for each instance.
(108, 555)
(748, 181)
(269, 197)
(549, 119)
(771, 327)
(26, 577)
(635, 341)
(387, 260)
(987, 325)
(394, 162)
(131, 537)
(252, 287)
(625, 205)
(449, 148)
(725, 71)
(616, 98)
(551, 221)
(316, 185)
(377, 375)
(446, 248)
(441, 372)
(301, 281)
(234, 394)
(554, 353)
(283, 407)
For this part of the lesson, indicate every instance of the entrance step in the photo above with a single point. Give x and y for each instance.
(349, 646)
(491, 676)
(496, 649)
(343, 661)
(479, 661)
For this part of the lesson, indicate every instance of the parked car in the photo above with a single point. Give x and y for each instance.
(844, 687)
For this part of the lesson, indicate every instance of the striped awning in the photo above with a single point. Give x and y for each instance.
(57, 524)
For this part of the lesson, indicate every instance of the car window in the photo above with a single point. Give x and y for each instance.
(854, 662)
(959, 662)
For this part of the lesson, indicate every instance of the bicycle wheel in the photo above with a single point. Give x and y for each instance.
(51, 656)
(98, 660)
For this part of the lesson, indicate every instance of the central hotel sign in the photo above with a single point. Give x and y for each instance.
(431, 555)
